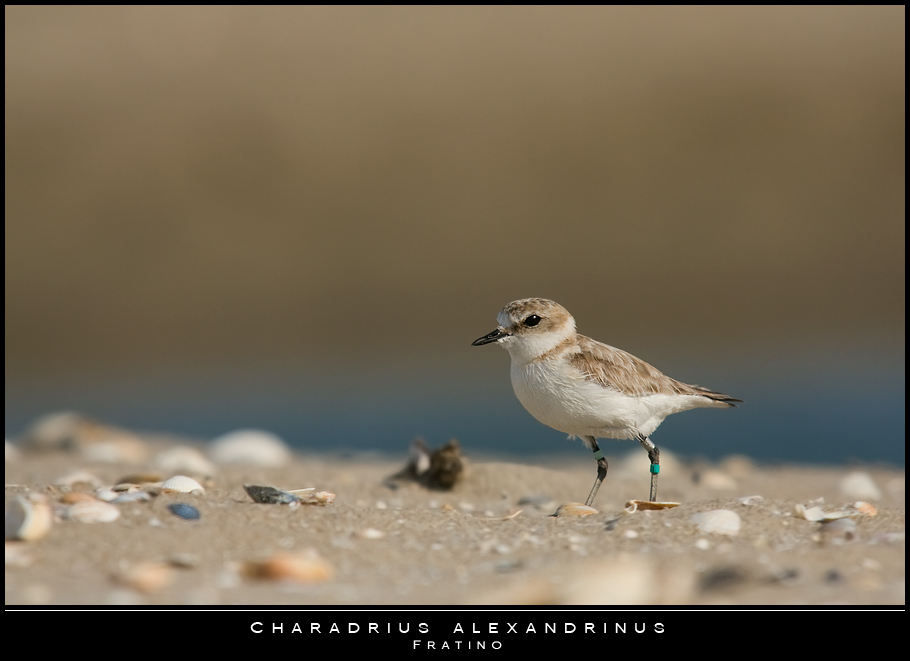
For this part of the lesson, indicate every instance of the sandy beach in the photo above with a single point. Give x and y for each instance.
(489, 540)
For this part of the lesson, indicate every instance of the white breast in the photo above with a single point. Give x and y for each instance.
(560, 397)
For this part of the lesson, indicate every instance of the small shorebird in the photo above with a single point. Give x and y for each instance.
(588, 389)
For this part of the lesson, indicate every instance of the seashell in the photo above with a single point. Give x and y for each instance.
(184, 459)
(250, 447)
(132, 497)
(80, 477)
(107, 495)
(749, 500)
(860, 486)
(808, 513)
(865, 508)
(308, 496)
(320, 498)
(642, 505)
(28, 520)
(182, 484)
(95, 511)
(271, 495)
(147, 577)
(300, 567)
(77, 497)
(126, 487)
(574, 510)
(818, 514)
(184, 511)
(718, 522)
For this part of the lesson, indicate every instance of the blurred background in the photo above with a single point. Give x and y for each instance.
(299, 218)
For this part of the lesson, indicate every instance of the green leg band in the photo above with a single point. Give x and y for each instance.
(655, 468)
(598, 454)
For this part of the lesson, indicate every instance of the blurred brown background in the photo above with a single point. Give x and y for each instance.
(226, 213)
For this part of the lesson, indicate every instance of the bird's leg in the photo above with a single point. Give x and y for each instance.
(602, 466)
(654, 456)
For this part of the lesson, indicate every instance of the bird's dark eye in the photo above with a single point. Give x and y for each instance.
(533, 320)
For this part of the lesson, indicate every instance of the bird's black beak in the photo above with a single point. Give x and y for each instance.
(495, 336)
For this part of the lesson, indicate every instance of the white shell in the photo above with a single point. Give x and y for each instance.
(133, 497)
(95, 511)
(719, 522)
(27, 520)
(107, 495)
(808, 513)
(184, 459)
(575, 510)
(860, 486)
(859, 509)
(183, 484)
(250, 447)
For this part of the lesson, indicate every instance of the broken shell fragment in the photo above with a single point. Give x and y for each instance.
(718, 522)
(320, 498)
(182, 484)
(574, 510)
(808, 513)
(272, 495)
(859, 509)
(865, 508)
(94, 511)
(642, 505)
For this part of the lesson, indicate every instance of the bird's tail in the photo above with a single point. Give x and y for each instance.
(718, 397)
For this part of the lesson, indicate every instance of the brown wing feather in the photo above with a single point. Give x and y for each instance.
(617, 369)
